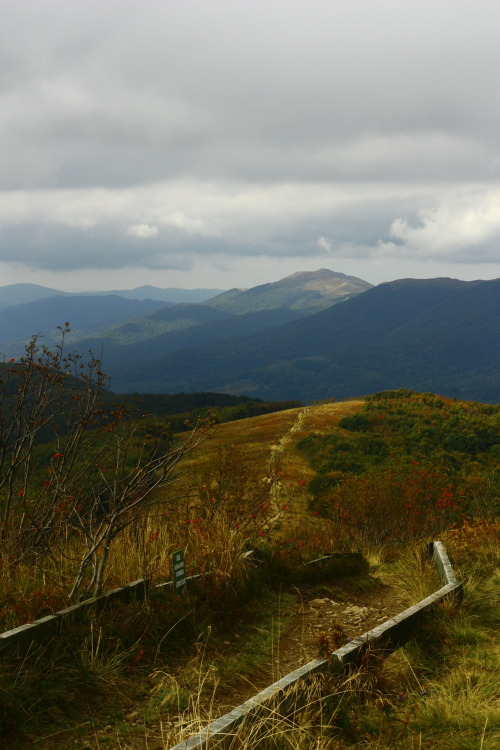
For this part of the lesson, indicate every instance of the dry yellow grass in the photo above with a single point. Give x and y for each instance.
(258, 435)
(268, 444)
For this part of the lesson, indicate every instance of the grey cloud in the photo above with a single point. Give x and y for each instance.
(59, 248)
(155, 226)
(157, 133)
(119, 93)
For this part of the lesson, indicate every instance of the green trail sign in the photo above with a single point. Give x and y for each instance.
(179, 571)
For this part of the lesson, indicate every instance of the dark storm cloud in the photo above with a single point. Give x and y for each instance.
(150, 132)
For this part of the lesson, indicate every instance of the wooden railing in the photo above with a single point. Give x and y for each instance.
(388, 636)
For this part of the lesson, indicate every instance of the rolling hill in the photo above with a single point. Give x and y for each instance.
(308, 291)
(271, 342)
(188, 326)
(168, 295)
(435, 334)
(143, 319)
(19, 322)
(177, 329)
(17, 294)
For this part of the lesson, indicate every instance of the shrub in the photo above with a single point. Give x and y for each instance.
(69, 500)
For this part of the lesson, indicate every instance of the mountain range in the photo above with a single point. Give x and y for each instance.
(16, 294)
(309, 336)
(118, 322)
(437, 335)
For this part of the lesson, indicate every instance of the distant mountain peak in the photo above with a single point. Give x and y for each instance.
(320, 273)
(304, 290)
(14, 294)
(440, 281)
(438, 335)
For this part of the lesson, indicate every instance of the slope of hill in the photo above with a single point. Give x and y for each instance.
(143, 341)
(20, 322)
(17, 294)
(167, 295)
(301, 291)
(234, 313)
(437, 334)
(407, 484)
(325, 449)
(174, 318)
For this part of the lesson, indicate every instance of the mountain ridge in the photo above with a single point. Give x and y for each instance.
(335, 352)
(20, 322)
(304, 290)
(15, 294)
(438, 334)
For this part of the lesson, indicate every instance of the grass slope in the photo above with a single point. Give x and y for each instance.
(141, 677)
(301, 291)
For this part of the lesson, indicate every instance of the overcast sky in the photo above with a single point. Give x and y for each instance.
(227, 143)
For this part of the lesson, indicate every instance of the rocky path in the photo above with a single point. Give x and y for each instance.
(289, 469)
(316, 623)
(341, 613)
(330, 620)
(278, 448)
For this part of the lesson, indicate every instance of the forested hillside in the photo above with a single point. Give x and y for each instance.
(270, 342)
(439, 334)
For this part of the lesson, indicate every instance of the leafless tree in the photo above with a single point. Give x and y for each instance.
(75, 471)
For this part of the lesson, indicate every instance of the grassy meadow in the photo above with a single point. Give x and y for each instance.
(380, 475)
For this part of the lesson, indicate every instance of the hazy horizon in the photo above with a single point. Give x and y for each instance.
(99, 290)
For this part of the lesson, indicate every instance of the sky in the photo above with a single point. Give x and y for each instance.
(230, 143)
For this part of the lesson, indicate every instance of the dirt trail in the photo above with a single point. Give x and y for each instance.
(285, 439)
(339, 612)
(277, 463)
(290, 469)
